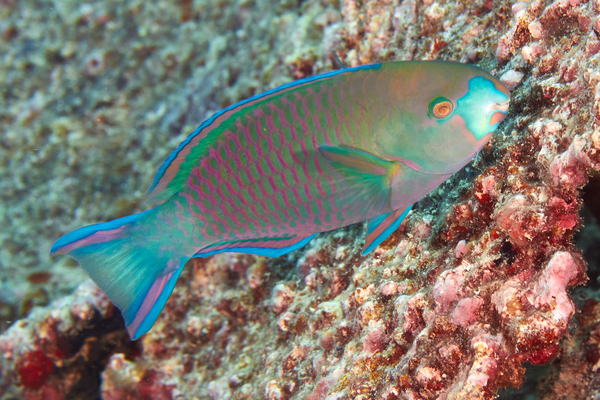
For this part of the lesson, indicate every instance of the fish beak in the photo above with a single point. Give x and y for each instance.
(498, 111)
(502, 107)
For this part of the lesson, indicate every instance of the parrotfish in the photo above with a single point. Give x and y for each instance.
(267, 174)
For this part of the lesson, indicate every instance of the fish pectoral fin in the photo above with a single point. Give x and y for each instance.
(355, 161)
(267, 246)
(361, 176)
(381, 227)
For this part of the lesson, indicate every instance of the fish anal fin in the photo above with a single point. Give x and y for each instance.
(268, 246)
(381, 227)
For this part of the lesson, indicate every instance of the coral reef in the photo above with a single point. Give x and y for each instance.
(576, 375)
(58, 351)
(472, 287)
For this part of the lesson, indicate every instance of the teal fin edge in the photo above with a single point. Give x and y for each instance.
(259, 251)
(375, 222)
(147, 322)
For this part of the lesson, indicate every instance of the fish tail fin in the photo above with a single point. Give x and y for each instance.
(136, 273)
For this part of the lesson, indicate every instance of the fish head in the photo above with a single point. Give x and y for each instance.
(447, 113)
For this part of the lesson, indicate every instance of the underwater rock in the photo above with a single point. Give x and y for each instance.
(57, 351)
(472, 286)
(576, 375)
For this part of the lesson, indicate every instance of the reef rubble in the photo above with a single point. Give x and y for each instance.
(473, 286)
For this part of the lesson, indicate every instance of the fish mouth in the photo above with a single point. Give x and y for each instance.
(502, 107)
(499, 112)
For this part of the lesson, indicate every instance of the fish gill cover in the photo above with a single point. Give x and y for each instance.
(470, 288)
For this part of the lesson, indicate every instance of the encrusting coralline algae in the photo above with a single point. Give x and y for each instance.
(472, 286)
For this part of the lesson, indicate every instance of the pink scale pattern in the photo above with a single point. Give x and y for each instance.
(270, 205)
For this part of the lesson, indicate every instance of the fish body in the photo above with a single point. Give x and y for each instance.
(264, 176)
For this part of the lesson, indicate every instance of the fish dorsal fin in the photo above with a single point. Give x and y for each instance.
(268, 246)
(362, 176)
(381, 227)
(172, 175)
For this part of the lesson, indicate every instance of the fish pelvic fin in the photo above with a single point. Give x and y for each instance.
(381, 227)
(137, 274)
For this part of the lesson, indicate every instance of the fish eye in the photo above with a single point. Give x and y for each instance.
(440, 107)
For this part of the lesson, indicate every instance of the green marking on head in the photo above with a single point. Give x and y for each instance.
(440, 108)
(479, 105)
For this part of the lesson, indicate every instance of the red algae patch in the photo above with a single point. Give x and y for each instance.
(34, 369)
(55, 351)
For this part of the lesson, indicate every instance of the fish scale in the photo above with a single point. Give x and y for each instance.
(247, 127)
(264, 176)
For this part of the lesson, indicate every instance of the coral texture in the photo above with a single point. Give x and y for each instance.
(577, 374)
(473, 285)
(59, 350)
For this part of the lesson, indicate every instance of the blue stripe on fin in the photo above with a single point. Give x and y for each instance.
(374, 223)
(157, 192)
(89, 230)
(259, 251)
(381, 227)
(149, 305)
